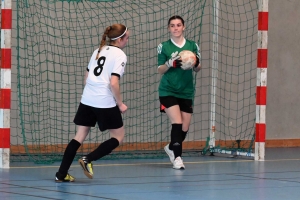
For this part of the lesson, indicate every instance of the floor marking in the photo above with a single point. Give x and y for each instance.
(157, 163)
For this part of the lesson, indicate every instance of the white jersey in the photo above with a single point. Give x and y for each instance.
(97, 91)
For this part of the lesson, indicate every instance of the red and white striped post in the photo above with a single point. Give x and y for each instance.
(261, 89)
(5, 89)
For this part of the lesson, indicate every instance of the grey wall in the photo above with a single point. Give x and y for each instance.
(283, 98)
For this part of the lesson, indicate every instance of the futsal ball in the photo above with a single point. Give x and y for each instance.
(188, 59)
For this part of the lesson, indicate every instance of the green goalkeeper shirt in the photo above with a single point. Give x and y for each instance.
(176, 81)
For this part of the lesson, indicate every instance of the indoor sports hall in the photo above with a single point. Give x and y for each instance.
(243, 141)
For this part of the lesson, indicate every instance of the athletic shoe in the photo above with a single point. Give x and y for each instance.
(86, 166)
(170, 153)
(178, 164)
(68, 178)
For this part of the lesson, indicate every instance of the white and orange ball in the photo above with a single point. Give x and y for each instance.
(188, 59)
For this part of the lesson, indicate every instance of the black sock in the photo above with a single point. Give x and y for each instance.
(184, 133)
(68, 158)
(104, 149)
(171, 146)
(176, 140)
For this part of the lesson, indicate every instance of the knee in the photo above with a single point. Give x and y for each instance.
(118, 134)
(120, 139)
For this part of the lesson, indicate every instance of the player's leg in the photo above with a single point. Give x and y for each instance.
(102, 150)
(70, 153)
(170, 106)
(110, 119)
(186, 120)
(174, 115)
(84, 119)
(109, 145)
(186, 108)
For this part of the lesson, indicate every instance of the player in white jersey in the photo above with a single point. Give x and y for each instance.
(101, 102)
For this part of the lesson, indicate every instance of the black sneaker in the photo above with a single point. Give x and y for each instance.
(86, 166)
(67, 178)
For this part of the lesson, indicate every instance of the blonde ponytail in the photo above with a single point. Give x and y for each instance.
(103, 41)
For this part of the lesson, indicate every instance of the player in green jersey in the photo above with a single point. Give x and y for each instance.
(176, 88)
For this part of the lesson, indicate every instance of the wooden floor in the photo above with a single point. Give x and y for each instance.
(205, 177)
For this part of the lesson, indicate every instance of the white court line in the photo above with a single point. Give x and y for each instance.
(164, 163)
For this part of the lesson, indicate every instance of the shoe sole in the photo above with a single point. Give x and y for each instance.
(85, 169)
(181, 168)
(61, 181)
(168, 154)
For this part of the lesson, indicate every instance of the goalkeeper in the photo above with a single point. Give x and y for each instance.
(176, 88)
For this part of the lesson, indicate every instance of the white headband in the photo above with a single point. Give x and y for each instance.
(119, 36)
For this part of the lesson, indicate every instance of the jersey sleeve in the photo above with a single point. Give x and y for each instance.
(161, 56)
(197, 51)
(120, 65)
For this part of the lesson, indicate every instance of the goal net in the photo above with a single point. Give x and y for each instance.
(53, 40)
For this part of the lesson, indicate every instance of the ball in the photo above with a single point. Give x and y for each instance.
(188, 59)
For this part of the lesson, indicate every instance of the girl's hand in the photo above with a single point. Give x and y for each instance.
(122, 107)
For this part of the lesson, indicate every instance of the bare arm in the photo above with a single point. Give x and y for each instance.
(85, 76)
(115, 88)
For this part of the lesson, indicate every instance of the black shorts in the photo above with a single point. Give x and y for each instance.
(185, 105)
(107, 118)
